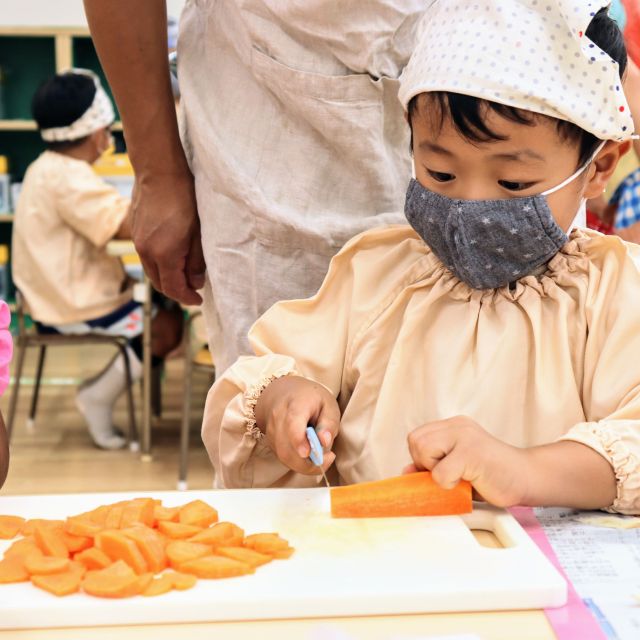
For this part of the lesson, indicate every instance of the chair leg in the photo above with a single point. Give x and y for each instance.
(185, 424)
(156, 390)
(134, 443)
(36, 387)
(22, 350)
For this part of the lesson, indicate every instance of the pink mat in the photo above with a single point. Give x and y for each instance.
(574, 621)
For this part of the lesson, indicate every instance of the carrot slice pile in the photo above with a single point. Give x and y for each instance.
(133, 547)
(414, 494)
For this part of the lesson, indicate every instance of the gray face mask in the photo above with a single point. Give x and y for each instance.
(487, 243)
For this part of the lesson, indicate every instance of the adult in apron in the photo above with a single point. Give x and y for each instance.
(294, 134)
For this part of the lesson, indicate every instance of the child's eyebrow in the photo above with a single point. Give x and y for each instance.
(518, 156)
(436, 148)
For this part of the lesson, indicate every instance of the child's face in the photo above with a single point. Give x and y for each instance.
(529, 161)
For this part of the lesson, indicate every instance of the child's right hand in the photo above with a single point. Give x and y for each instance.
(283, 412)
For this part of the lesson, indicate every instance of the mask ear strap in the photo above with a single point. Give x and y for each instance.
(579, 172)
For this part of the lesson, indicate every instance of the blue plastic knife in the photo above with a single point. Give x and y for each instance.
(317, 455)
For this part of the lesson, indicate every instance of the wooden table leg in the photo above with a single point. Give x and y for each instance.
(146, 365)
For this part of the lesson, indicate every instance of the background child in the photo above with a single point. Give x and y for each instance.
(65, 217)
(6, 351)
(484, 344)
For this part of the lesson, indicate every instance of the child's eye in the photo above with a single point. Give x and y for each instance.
(515, 186)
(438, 176)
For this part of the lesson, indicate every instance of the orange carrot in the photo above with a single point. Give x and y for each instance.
(45, 565)
(214, 567)
(63, 583)
(177, 530)
(180, 551)
(198, 513)
(159, 585)
(268, 543)
(76, 543)
(118, 547)
(248, 556)
(50, 541)
(222, 534)
(12, 570)
(138, 511)
(23, 547)
(151, 545)
(414, 494)
(10, 526)
(166, 513)
(113, 582)
(93, 558)
(182, 581)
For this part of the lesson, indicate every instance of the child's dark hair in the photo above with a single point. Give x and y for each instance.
(467, 112)
(61, 100)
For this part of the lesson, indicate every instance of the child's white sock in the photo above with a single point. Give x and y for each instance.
(96, 397)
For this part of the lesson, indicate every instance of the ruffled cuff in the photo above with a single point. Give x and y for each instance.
(251, 397)
(620, 445)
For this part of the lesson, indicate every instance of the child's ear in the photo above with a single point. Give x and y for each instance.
(603, 167)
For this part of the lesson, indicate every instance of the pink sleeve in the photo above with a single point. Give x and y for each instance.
(6, 346)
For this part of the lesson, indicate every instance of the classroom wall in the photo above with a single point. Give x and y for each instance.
(55, 13)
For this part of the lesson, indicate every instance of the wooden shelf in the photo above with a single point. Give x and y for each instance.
(30, 125)
(18, 125)
(38, 32)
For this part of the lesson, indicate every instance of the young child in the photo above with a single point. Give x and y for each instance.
(64, 218)
(6, 351)
(492, 342)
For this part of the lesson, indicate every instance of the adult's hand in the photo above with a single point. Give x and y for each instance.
(166, 233)
(131, 41)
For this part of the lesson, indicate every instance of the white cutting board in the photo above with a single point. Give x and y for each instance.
(341, 567)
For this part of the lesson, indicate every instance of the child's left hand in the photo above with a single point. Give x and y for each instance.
(460, 449)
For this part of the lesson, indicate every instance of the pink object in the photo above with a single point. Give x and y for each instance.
(574, 621)
(6, 345)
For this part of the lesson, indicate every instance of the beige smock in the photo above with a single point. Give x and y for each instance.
(65, 216)
(400, 342)
(297, 141)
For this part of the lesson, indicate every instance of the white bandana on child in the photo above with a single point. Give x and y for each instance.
(98, 116)
(528, 54)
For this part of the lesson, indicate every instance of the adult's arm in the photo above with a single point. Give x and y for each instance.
(131, 41)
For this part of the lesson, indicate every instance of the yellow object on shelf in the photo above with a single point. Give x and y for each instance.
(113, 164)
(4, 254)
(4, 164)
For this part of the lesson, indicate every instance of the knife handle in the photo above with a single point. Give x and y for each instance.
(317, 455)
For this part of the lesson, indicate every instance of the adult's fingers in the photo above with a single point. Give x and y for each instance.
(195, 265)
(173, 282)
(450, 470)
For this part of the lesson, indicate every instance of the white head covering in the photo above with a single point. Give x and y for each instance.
(529, 54)
(99, 115)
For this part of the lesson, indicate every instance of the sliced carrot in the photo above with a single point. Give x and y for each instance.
(61, 584)
(114, 516)
(28, 528)
(23, 547)
(82, 526)
(45, 565)
(161, 584)
(176, 530)
(182, 581)
(222, 534)
(214, 567)
(112, 582)
(118, 547)
(10, 526)
(248, 556)
(269, 543)
(93, 558)
(50, 541)
(138, 511)
(181, 551)
(76, 543)
(139, 586)
(12, 570)
(151, 545)
(414, 494)
(198, 513)
(166, 513)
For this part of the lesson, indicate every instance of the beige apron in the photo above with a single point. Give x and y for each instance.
(296, 139)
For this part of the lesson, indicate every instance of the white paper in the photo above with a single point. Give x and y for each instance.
(603, 563)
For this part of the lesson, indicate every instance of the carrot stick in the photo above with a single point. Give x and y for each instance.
(414, 494)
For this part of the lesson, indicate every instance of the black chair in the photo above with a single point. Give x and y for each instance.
(26, 339)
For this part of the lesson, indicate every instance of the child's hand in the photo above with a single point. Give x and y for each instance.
(283, 412)
(460, 449)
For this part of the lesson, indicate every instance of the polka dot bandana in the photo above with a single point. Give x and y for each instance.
(529, 54)
(99, 115)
